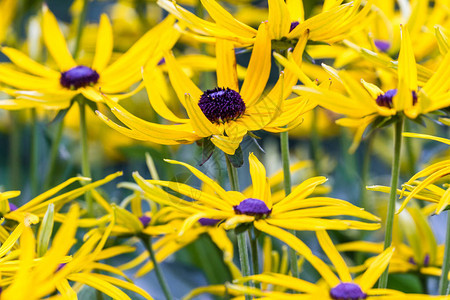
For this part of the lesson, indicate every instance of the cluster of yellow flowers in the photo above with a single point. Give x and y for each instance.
(280, 67)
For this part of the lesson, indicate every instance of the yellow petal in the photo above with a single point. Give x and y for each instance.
(372, 274)
(104, 44)
(225, 19)
(201, 124)
(226, 65)
(99, 284)
(407, 73)
(258, 175)
(55, 42)
(334, 256)
(301, 248)
(279, 19)
(258, 68)
(23, 61)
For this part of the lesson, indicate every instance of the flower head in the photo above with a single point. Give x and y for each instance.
(226, 113)
(366, 102)
(36, 85)
(295, 211)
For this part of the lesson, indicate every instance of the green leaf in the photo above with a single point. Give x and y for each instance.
(237, 160)
(45, 230)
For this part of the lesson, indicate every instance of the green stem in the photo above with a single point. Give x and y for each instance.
(315, 142)
(443, 282)
(254, 249)
(393, 195)
(34, 153)
(81, 22)
(54, 154)
(147, 241)
(284, 144)
(240, 236)
(14, 150)
(85, 167)
(410, 151)
(366, 170)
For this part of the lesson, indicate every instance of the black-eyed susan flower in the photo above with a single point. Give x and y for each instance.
(36, 85)
(223, 114)
(286, 21)
(367, 102)
(295, 211)
(331, 286)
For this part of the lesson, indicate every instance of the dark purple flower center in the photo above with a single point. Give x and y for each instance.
(221, 105)
(386, 98)
(293, 25)
(145, 220)
(383, 46)
(252, 207)
(79, 76)
(208, 221)
(347, 291)
(412, 261)
(12, 207)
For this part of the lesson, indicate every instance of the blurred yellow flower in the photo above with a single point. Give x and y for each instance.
(44, 87)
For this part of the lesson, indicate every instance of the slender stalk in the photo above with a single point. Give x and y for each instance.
(14, 150)
(315, 142)
(366, 170)
(147, 241)
(443, 282)
(393, 194)
(254, 249)
(85, 167)
(240, 236)
(34, 153)
(81, 22)
(54, 154)
(284, 144)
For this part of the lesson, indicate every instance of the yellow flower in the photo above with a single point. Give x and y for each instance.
(364, 104)
(332, 286)
(35, 278)
(233, 208)
(285, 22)
(41, 86)
(224, 114)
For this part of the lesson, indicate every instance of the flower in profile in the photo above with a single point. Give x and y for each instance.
(295, 211)
(40, 86)
(222, 115)
(367, 103)
(332, 286)
(425, 189)
(286, 21)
